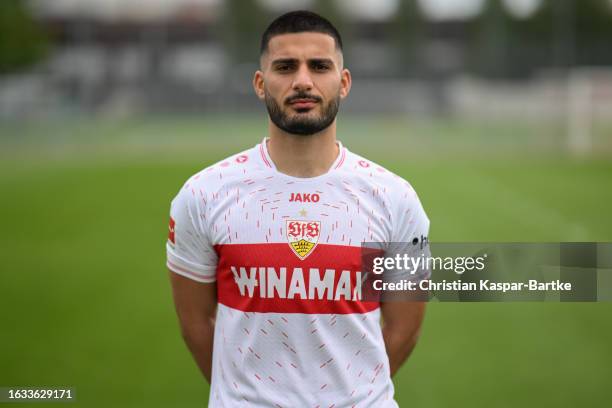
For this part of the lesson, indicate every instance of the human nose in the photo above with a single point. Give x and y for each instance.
(302, 80)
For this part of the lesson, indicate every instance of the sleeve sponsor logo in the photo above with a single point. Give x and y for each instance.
(423, 240)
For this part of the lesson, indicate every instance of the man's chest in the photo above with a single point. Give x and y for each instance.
(293, 248)
(333, 213)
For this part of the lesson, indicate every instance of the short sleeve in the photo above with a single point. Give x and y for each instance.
(410, 235)
(188, 249)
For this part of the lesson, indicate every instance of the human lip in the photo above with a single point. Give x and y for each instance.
(303, 103)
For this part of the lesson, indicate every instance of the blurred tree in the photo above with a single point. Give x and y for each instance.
(329, 10)
(593, 19)
(23, 41)
(593, 32)
(531, 40)
(408, 31)
(561, 34)
(244, 22)
(490, 40)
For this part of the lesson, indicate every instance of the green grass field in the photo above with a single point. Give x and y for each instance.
(84, 294)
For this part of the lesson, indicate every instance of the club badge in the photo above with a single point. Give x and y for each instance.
(303, 236)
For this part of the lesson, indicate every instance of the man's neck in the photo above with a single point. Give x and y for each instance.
(303, 156)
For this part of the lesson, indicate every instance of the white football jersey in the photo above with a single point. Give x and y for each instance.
(293, 328)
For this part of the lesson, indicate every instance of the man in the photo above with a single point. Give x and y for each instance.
(265, 246)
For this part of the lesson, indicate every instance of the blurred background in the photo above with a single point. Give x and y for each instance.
(499, 112)
(541, 62)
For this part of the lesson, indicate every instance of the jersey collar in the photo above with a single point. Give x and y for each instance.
(265, 156)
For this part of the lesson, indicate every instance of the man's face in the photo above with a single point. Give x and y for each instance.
(302, 82)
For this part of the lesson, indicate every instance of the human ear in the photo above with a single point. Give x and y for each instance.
(345, 83)
(258, 84)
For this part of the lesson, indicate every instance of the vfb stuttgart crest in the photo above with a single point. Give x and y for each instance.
(303, 236)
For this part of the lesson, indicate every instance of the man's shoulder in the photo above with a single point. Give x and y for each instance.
(379, 184)
(367, 171)
(238, 166)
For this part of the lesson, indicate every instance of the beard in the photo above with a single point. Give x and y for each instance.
(300, 123)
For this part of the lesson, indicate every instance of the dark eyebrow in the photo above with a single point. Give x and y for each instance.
(321, 61)
(284, 61)
(310, 61)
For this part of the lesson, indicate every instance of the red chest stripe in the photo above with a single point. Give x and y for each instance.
(271, 278)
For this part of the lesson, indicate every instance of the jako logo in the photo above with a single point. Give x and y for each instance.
(304, 197)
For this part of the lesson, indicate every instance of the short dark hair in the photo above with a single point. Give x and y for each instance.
(299, 21)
